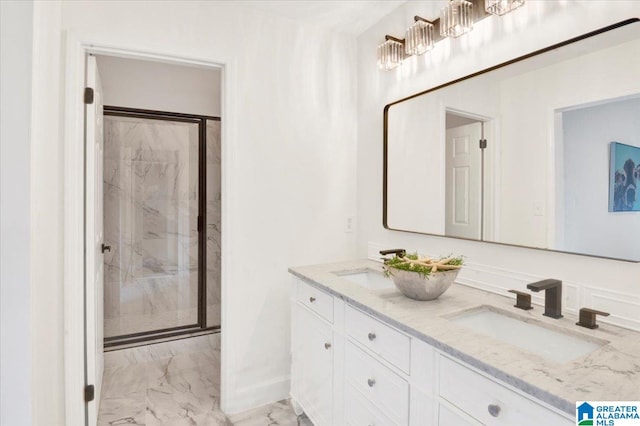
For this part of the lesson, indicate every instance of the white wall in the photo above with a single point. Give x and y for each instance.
(289, 144)
(16, 37)
(587, 135)
(159, 86)
(535, 25)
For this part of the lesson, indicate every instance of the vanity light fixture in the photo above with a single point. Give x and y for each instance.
(390, 53)
(456, 18)
(419, 37)
(500, 7)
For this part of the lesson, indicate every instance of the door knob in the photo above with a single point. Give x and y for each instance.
(106, 248)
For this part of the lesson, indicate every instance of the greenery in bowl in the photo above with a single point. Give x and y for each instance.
(422, 266)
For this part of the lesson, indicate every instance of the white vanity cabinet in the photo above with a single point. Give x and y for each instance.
(351, 368)
(312, 353)
(488, 401)
(377, 363)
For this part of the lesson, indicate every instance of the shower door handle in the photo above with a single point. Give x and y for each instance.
(106, 248)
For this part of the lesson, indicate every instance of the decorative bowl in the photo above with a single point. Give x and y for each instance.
(420, 287)
(423, 278)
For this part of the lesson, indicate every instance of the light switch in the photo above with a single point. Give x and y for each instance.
(538, 209)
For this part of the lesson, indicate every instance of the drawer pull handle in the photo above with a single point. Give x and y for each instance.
(312, 299)
(371, 336)
(371, 382)
(494, 410)
(327, 345)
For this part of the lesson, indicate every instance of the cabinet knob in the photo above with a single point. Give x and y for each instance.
(371, 382)
(494, 410)
(327, 345)
(371, 336)
(312, 299)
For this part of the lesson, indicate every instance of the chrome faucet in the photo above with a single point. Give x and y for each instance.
(552, 296)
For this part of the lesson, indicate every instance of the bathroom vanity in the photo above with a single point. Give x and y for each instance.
(363, 354)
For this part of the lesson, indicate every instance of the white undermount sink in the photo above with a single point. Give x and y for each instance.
(532, 336)
(368, 278)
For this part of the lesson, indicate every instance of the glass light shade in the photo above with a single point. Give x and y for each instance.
(390, 54)
(500, 7)
(456, 18)
(418, 38)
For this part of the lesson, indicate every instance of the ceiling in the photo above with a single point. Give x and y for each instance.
(345, 16)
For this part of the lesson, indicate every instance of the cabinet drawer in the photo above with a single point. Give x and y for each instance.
(383, 388)
(449, 417)
(361, 412)
(490, 402)
(316, 300)
(380, 338)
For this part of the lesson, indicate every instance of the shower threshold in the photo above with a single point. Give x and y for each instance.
(140, 339)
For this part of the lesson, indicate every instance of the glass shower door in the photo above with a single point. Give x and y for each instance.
(151, 207)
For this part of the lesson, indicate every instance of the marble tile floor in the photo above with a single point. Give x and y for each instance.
(173, 384)
(276, 414)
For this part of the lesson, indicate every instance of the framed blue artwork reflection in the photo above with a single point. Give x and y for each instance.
(624, 177)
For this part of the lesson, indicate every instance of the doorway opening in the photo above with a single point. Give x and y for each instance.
(83, 296)
(162, 196)
(153, 233)
(158, 272)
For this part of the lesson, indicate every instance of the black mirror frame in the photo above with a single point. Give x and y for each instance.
(467, 77)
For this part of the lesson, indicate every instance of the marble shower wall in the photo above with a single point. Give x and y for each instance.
(150, 220)
(214, 204)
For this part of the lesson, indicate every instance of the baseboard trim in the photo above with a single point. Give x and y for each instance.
(258, 395)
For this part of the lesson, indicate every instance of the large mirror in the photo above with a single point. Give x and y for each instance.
(543, 151)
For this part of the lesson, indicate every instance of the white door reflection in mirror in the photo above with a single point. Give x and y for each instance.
(463, 217)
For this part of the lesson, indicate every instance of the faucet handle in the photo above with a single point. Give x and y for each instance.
(523, 300)
(588, 317)
(397, 252)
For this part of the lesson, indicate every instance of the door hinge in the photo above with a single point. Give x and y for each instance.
(89, 393)
(88, 95)
(483, 143)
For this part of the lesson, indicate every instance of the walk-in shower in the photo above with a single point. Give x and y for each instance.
(162, 175)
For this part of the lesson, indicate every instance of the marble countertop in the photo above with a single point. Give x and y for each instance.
(609, 373)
